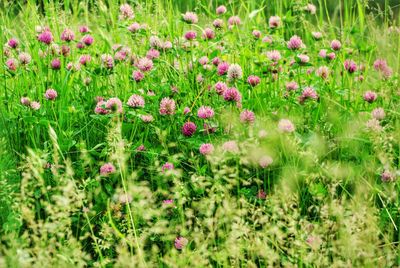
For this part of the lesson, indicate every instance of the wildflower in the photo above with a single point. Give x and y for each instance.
(65, 50)
(107, 61)
(25, 101)
(234, 72)
(147, 118)
(350, 66)
(295, 42)
(261, 194)
(167, 106)
(50, 94)
(378, 113)
(220, 88)
(186, 110)
(285, 125)
(134, 27)
(222, 68)
(247, 116)
(267, 39)
(168, 202)
(24, 58)
(331, 56)
(145, 64)
(208, 33)
(205, 112)
(316, 35)
(87, 40)
(206, 149)
(292, 86)
(35, 105)
(189, 128)
(55, 64)
(336, 45)
(218, 23)
(303, 58)
(67, 35)
(136, 101)
(387, 176)
(46, 37)
(152, 54)
(380, 64)
(220, 10)
(80, 45)
(11, 64)
(203, 60)
(234, 20)
(190, 17)
(311, 8)
(190, 35)
(274, 21)
(232, 94)
(85, 59)
(180, 242)
(167, 166)
(106, 169)
(256, 34)
(323, 72)
(13, 43)
(323, 53)
(253, 80)
(274, 55)
(308, 93)
(265, 161)
(370, 96)
(137, 76)
(126, 12)
(114, 104)
(101, 107)
(230, 146)
(84, 29)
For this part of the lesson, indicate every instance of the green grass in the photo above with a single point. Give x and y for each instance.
(326, 204)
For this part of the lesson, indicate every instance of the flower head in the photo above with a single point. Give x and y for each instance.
(190, 17)
(136, 101)
(106, 169)
(222, 68)
(235, 72)
(67, 35)
(370, 96)
(285, 125)
(220, 10)
(46, 37)
(180, 242)
(126, 12)
(232, 94)
(253, 80)
(167, 106)
(247, 116)
(295, 42)
(114, 104)
(336, 45)
(50, 94)
(205, 112)
(274, 21)
(188, 129)
(206, 149)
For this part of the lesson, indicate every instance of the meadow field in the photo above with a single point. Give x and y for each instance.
(161, 133)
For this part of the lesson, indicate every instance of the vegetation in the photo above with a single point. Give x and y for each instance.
(199, 133)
